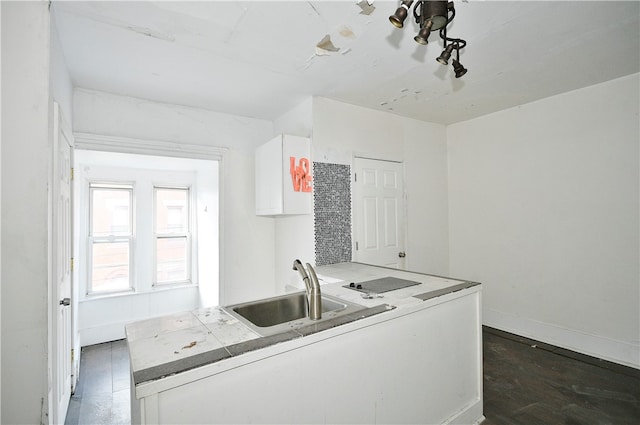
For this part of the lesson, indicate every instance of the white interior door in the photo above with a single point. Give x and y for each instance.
(378, 210)
(61, 248)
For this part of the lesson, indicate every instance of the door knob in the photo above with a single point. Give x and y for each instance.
(65, 301)
(402, 254)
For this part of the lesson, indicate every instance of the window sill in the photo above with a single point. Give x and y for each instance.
(132, 293)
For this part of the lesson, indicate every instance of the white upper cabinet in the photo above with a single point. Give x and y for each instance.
(283, 176)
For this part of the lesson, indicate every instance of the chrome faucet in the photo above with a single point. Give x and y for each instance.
(314, 297)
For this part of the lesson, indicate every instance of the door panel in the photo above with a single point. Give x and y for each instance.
(370, 216)
(378, 208)
(61, 246)
(390, 226)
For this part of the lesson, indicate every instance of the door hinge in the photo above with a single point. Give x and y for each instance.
(72, 355)
(355, 177)
(71, 263)
(72, 173)
(356, 246)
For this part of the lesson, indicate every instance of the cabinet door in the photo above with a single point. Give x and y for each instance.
(296, 169)
(269, 178)
(284, 176)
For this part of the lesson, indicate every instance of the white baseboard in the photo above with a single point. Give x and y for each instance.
(470, 414)
(622, 352)
(100, 334)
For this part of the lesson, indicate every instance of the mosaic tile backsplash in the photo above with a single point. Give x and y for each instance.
(332, 212)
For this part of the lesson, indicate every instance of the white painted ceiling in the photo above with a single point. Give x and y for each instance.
(259, 59)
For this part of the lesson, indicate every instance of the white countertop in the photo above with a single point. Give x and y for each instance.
(345, 273)
(177, 338)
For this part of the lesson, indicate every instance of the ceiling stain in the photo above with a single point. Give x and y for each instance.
(367, 8)
(325, 46)
(346, 32)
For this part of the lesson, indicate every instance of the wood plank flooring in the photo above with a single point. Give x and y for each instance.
(527, 382)
(102, 394)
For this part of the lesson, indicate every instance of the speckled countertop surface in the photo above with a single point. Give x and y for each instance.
(157, 341)
(175, 343)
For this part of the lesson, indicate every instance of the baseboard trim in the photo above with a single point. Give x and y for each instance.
(100, 334)
(471, 414)
(621, 352)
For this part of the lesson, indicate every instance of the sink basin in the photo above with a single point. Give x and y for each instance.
(274, 311)
(280, 314)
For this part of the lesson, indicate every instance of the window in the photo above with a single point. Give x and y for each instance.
(160, 215)
(172, 235)
(111, 234)
(110, 237)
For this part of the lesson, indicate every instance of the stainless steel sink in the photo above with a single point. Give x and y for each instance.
(280, 314)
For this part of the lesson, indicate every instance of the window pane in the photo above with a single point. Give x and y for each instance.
(111, 212)
(110, 271)
(171, 255)
(172, 212)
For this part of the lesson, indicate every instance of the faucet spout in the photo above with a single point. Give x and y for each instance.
(297, 265)
(314, 296)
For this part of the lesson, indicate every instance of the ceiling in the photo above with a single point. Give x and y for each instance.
(260, 59)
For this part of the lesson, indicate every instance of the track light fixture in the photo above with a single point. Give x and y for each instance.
(433, 16)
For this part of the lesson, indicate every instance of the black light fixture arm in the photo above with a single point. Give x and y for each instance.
(443, 31)
(417, 15)
(460, 43)
(450, 8)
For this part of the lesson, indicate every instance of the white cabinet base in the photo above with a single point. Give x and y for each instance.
(422, 366)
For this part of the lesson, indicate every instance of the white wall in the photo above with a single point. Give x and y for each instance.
(294, 235)
(426, 184)
(60, 80)
(1, 116)
(247, 240)
(341, 131)
(544, 207)
(25, 172)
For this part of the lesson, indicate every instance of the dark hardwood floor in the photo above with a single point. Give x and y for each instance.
(102, 394)
(527, 382)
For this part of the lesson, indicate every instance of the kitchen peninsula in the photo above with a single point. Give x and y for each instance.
(408, 355)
